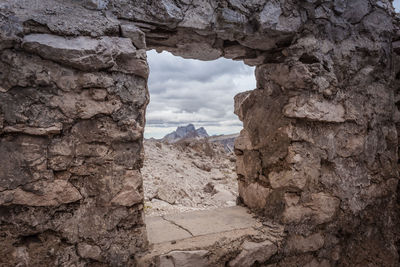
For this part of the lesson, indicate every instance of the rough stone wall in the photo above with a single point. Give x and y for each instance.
(318, 152)
(319, 143)
(73, 94)
(324, 159)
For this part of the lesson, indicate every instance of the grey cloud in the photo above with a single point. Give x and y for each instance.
(189, 91)
(165, 65)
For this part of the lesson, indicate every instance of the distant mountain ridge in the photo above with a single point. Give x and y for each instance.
(185, 132)
(190, 132)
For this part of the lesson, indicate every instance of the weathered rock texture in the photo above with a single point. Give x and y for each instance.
(318, 152)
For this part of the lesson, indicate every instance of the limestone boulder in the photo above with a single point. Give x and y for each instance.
(196, 258)
(287, 179)
(254, 195)
(87, 251)
(199, 15)
(88, 54)
(127, 198)
(135, 34)
(254, 252)
(84, 105)
(301, 244)
(320, 208)
(242, 142)
(41, 194)
(313, 109)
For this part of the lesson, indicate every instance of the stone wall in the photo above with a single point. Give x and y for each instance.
(72, 104)
(318, 153)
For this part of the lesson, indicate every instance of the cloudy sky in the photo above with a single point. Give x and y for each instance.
(396, 4)
(184, 91)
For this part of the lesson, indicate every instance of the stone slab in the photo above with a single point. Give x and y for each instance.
(183, 225)
(160, 230)
(213, 221)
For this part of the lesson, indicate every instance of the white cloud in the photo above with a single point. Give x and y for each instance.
(186, 91)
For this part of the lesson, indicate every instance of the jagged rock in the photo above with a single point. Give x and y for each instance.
(89, 252)
(321, 209)
(302, 244)
(41, 194)
(127, 198)
(135, 34)
(228, 141)
(89, 54)
(96, 4)
(287, 179)
(254, 252)
(313, 109)
(165, 194)
(254, 195)
(202, 166)
(184, 259)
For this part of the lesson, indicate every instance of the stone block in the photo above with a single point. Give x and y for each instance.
(320, 209)
(196, 258)
(254, 195)
(135, 34)
(301, 244)
(42, 194)
(254, 252)
(87, 251)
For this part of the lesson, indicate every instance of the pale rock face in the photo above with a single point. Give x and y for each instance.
(135, 34)
(287, 179)
(320, 209)
(302, 244)
(254, 252)
(312, 109)
(89, 252)
(199, 16)
(269, 16)
(18, 128)
(254, 195)
(87, 53)
(84, 106)
(41, 194)
(242, 142)
(96, 4)
(184, 259)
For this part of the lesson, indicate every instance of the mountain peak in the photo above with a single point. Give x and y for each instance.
(183, 132)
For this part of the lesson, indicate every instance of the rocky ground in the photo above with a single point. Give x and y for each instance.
(186, 176)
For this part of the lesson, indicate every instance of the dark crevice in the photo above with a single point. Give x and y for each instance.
(308, 59)
(28, 239)
(398, 76)
(228, 43)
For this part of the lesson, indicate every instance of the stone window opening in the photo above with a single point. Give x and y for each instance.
(193, 168)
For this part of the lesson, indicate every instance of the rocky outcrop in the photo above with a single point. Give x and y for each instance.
(318, 152)
(194, 175)
(228, 141)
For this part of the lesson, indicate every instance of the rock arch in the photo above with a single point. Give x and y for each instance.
(318, 153)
